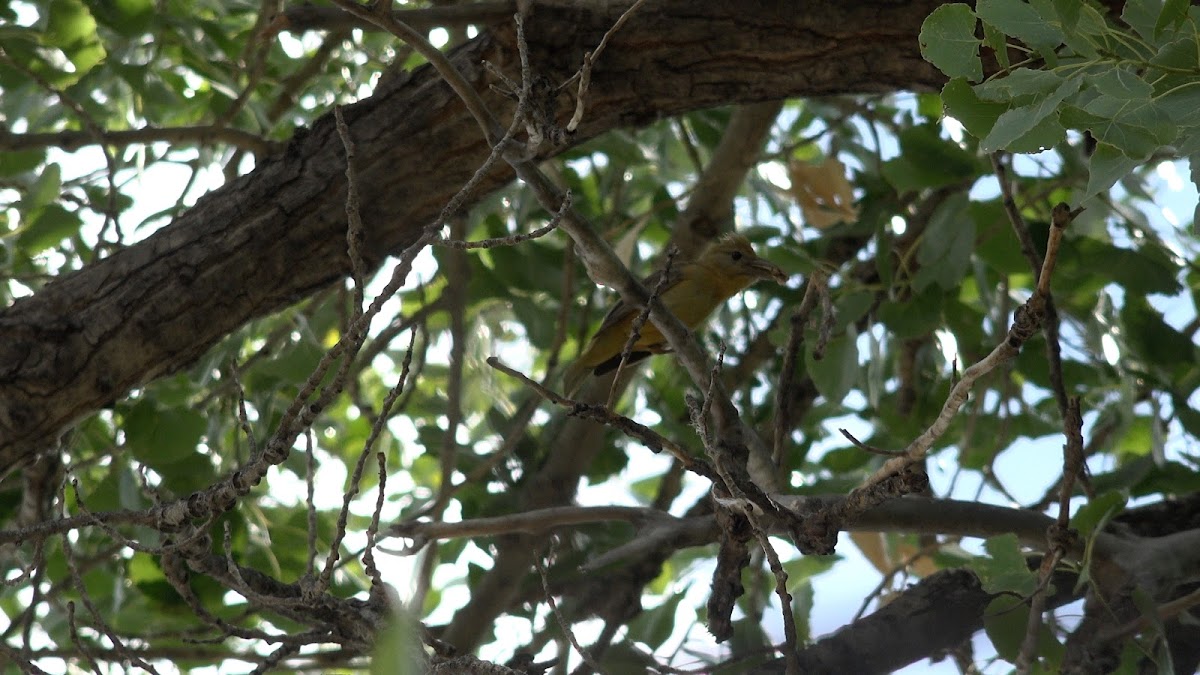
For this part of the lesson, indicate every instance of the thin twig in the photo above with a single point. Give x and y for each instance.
(791, 644)
(1027, 320)
(816, 285)
(355, 233)
(529, 522)
(1164, 612)
(470, 98)
(562, 620)
(604, 415)
(589, 60)
(639, 321)
(867, 448)
(510, 240)
(111, 213)
(71, 140)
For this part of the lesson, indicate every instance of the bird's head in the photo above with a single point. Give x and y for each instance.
(732, 258)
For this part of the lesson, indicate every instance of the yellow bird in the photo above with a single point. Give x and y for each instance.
(692, 292)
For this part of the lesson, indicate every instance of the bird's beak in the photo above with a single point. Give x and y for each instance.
(765, 269)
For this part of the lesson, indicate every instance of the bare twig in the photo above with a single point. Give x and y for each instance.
(1061, 216)
(1058, 535)
(639, 321)
(70, 140)
(475, 105)
(791, 647)
(530, 522)
(816, 285)
(510, 240)
(111, 213)
(1165, 611)
(255, 51)
(355, 234)
(867, 448)
(1027, 320)
(589, 59)
(562, 620)
(605, 415)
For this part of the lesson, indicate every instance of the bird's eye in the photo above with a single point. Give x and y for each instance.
(737, 255)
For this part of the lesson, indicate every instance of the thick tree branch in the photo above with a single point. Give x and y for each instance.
(269, 238)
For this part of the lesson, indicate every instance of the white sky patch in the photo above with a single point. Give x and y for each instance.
(776, 174)
(948, 345)
(953, 128)
(439, 37)
(1112, 351)
(297, 47)
(1169, 172)
(899, 225)
(1169, 215)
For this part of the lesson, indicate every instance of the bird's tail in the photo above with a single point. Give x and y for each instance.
(573, 376)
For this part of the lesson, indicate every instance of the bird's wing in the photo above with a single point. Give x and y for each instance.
(622, 310)
(575, 373)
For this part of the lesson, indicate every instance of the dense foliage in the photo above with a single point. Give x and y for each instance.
(912, 226)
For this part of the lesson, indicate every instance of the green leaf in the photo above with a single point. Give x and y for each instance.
(928, 161)
(1019, 20)
(1143, 271)
(963, 104)
(802, 606)
(1006, 622)
(1194, 173)
(837, 372)
(1004, 568)
(624, 657)
(128, 17)
(654, 626)
(945, 250)
(844, 460)
(16, 162)
(803, 568)
(398, 648)
(1120, 83)
(1068, 13)
(1174, 13)
(1151, 338)
(852, 306)
(998, 42)
(1108, 165)
(979, 116)
(1085, 30)
(1098, 511)
(1178, 54)
(1181, 105)
(1018, 122)
(1151, 17)
(159, 437)
(948, 41)
(1022, 86)
(48, 228)
(72, 29)
(1121, 112)
(46, 189)
(69, 22)
(920, 315)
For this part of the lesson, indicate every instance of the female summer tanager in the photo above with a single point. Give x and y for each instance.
(691, 292)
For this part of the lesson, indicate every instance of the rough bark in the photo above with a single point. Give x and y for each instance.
(277, 234)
